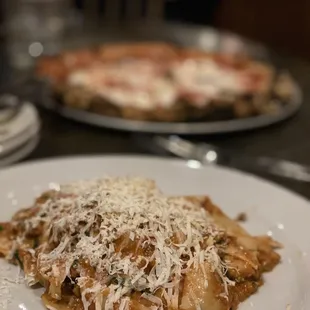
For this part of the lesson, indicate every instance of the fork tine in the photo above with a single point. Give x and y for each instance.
(155, 9)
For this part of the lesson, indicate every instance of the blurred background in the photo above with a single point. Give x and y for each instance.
(277, 31)
(281, 24)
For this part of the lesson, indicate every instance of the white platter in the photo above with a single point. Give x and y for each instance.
(270, 209)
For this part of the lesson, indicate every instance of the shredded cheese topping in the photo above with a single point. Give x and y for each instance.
(132, 236)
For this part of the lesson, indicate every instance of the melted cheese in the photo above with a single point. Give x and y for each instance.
(205, 80)
(145, 84)
(138, 84)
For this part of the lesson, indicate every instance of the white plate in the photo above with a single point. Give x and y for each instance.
(269, 209)
(19, 129)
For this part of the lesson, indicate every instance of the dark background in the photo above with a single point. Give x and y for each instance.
(282, 24)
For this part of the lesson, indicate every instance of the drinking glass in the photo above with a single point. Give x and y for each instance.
(33, 28)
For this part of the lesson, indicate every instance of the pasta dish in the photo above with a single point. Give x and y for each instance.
(120, 243)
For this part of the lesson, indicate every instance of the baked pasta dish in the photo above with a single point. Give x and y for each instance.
(120, 243)
(162, 82)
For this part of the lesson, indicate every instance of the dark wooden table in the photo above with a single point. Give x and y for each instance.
(288, 140)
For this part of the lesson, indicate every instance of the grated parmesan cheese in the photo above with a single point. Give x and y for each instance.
(131, 234)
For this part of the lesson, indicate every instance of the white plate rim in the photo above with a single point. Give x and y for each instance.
(179, 161)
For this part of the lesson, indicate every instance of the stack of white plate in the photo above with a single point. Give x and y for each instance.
(19, 133)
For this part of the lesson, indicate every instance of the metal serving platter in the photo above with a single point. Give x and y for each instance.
(183, 35)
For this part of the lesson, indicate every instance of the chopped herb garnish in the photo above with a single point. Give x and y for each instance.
(1, 228)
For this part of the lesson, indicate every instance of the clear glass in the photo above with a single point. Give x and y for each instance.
(33, 28)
